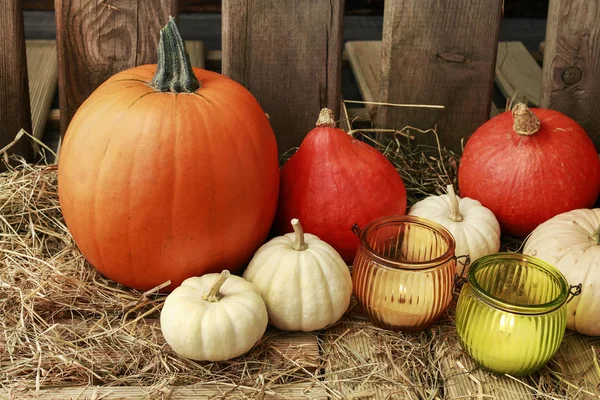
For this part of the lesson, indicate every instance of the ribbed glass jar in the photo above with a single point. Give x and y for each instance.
(404, 271)
(510, 317)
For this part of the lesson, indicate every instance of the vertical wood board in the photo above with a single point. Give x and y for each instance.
(289, 55)
(443, 53)
(96, 39)
(15, 111)
(571, 74)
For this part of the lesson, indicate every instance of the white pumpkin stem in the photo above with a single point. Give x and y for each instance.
(299, 243)
(525, 122)
(214, 293)
(455, 214)
(326, 118)
(596, 236)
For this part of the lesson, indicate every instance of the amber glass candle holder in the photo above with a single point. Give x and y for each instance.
(511, 316)
(403, 272)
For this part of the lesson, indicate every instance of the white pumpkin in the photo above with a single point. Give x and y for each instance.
(474, 227)
(571, 242)
(214, 317)
(304, 282)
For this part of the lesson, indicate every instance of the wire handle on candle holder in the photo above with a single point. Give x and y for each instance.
(574, 290)
(356, 230)
(460, 278)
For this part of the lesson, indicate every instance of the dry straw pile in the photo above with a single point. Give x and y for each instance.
(64, 324)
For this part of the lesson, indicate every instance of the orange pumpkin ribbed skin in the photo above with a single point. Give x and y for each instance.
(160, 186)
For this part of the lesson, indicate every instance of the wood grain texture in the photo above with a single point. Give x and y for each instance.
(14, 93)
(571, 75)
(365, 61)
(195, 49)
(198, 58)
(96, 39)
(518, 75)
(42, 68)
(285, 349)
(297, 391)
(288, 54)
(439, 52)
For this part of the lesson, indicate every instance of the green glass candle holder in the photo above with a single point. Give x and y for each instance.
(511, 315)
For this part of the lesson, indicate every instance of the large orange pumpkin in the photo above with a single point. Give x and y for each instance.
(168, 172)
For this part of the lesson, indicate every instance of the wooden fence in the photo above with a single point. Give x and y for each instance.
(289, 55)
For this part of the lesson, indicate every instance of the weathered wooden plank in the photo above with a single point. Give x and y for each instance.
(14, 94)
(195, 49)
(298, 348)
(42, 67)
(289, 55)
(518, 75)
(365, 61)
(198, 58)
(577, 362)
(356, 361)
(96, 39)
(571, 75)
(295, 391)
(429, 56)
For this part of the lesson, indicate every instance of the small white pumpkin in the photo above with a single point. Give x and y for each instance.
(474, 227)
(571, 242)
(214, 317)
(304, 282)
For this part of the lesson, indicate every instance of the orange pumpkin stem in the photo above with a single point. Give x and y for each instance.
(455, 214)
(214, 293)
(326, 118)
(174, 72)
(299, 243)
(525, 122)
(596, 236)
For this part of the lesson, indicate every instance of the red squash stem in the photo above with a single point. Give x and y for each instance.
(325, 118)
(525, 122)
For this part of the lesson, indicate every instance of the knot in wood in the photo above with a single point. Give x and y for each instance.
(458, 58)
(572, 75)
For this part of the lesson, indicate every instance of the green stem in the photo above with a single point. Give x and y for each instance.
(299, 243)
(454, 208)
(174, 71)
(214, 293)
(596, 236)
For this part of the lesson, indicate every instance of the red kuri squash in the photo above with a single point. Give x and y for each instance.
(334, 181)
(529, 165)
(168, 172)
